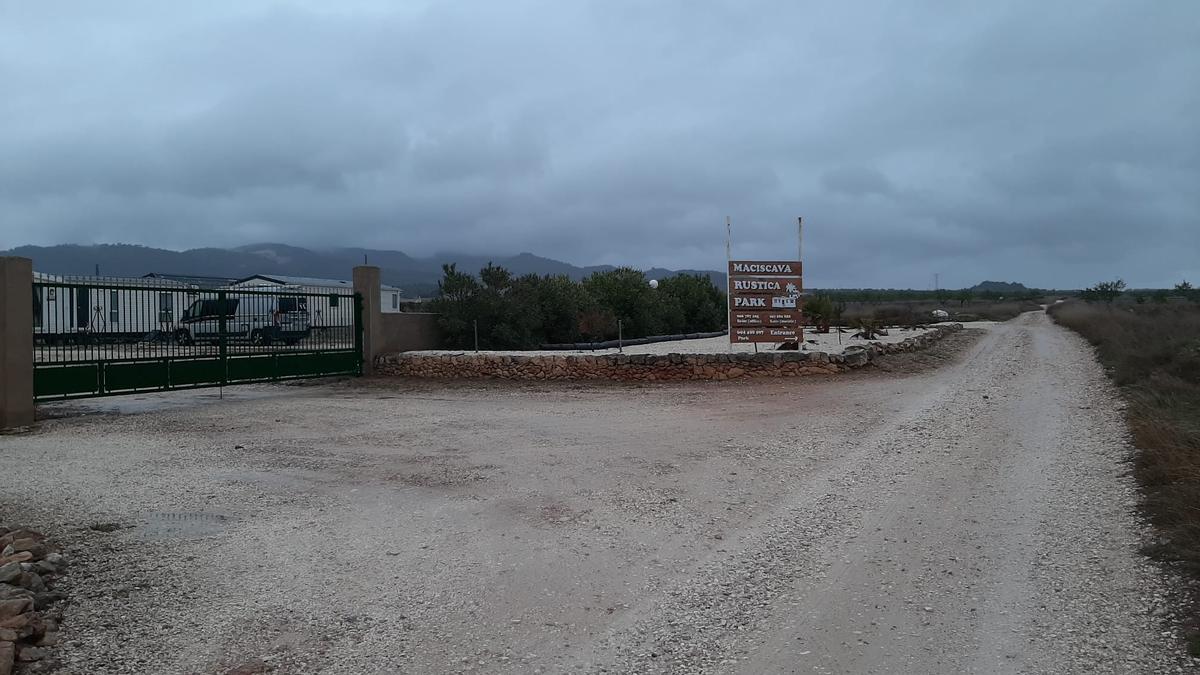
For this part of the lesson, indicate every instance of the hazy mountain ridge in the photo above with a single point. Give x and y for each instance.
(418, 276)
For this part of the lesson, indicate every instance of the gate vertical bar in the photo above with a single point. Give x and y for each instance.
(222, 342)
(358, 330)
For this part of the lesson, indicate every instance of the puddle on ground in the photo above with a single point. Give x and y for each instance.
(181, 524)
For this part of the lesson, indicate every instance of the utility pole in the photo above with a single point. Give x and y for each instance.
(800, 239)
(800, 258)
(728, 298)
(728, 239)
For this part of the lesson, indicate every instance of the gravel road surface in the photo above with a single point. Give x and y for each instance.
(973, 517)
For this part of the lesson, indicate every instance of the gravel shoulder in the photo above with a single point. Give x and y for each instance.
(973, 518)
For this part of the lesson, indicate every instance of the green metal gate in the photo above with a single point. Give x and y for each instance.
(100, 337)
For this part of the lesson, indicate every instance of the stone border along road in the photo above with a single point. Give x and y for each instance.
(977, 517)
(648, 367)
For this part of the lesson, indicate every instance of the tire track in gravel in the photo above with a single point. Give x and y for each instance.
(987, 526)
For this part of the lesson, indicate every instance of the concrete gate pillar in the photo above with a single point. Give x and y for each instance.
(366, 283)
(16, 342)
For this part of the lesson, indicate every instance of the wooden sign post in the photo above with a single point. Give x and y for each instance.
(765, 301)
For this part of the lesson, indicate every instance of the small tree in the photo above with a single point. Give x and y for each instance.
(867, 327)
(598, 324)
(819, 312)
(562, 303)
(839, 309)
(688, 303)
(964, 296)
(495, 278)
(1106, 291)
(625, 293)
(456, 306)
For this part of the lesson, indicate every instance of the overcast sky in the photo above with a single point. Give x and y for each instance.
(1054, 143)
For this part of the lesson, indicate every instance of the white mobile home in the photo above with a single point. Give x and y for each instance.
(325, 296)
(76, 309)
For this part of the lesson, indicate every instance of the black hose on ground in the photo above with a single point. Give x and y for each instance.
(632, 342)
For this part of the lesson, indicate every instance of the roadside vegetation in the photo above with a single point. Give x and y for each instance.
(527, 311)
(895, 307)
(897, 313)
(1151, 349)
(524, 312)
(825, 309)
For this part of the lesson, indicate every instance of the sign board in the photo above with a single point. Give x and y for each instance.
(765, 300)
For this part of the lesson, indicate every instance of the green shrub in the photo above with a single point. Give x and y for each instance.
(525, 312)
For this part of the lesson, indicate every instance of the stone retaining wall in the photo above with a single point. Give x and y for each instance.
(646, 367)
(28, 624)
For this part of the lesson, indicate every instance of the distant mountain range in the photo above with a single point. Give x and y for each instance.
(417, 276)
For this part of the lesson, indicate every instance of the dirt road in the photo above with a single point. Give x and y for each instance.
(973, 518)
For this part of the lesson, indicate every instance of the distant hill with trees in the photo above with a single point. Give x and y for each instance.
(418, 276)
(1002, 287)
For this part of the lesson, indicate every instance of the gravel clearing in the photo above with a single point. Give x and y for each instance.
(977, 517)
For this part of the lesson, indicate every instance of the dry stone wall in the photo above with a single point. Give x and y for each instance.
(646, 367)
(28, 625)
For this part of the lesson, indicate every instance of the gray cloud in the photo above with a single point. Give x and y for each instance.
(856, 181)
(1052, 144)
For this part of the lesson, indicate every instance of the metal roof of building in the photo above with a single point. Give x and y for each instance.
(192, 279)
(90, 280)
(296, 281)
(306, 281)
